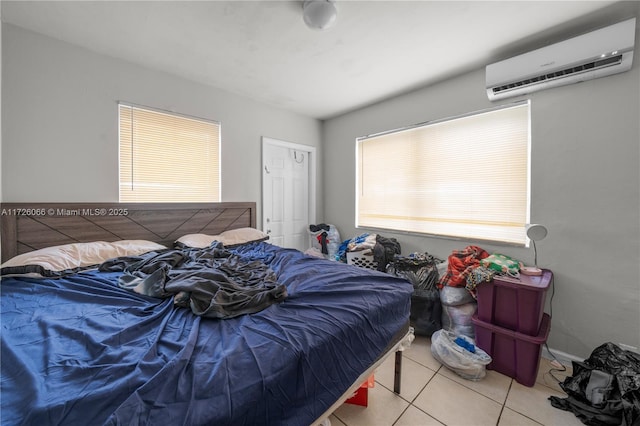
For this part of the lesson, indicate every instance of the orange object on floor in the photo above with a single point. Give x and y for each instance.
(361, 395)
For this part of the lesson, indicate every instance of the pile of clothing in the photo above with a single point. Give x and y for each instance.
(461, 264)
(384, 249)
(604, 388)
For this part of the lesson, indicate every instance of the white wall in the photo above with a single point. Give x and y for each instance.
(60, 122)
(585, 189)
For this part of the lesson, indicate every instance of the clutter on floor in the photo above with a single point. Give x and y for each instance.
(421, 270)
(604, 388)
(458, 301)
(474, 297)
(361, 395)
(325, 239)
(371, 251)
(461, 265)
(459, 354)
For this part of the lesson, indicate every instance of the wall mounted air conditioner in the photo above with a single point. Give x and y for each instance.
(596, 54)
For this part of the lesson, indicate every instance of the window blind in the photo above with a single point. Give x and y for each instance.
(466, 177)
(167, 158)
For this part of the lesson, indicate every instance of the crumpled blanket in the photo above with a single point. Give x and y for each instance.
(213, 282)
(597, 401)
(461, 264)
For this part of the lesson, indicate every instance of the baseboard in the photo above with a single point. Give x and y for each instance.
(562, 357)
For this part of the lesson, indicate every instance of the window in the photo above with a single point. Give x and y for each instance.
(466, 177)
(167, 158)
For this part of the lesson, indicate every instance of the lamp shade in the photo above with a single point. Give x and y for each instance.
(319, 14)
(536, 232)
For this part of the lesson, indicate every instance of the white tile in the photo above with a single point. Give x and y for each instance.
(420, 352)
(533, 402)
(494, 385)
(413, 379)
(453, 404)
(547, 374)
(384, 408)
(446, 398)
(511, 418)
(415, 417)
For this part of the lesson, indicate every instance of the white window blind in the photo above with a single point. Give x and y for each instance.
(167, 158)
(466, 177)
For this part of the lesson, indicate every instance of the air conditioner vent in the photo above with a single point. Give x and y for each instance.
(601, 63)
(600, 53)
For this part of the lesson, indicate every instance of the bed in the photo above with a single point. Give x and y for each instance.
(85, 345)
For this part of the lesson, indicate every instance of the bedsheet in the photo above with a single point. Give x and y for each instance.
(80, 350)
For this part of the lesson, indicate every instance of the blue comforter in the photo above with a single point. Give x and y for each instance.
(82, 351)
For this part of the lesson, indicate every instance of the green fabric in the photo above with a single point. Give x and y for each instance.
(502, 263)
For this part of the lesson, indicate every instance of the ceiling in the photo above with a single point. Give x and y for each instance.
(262, 49)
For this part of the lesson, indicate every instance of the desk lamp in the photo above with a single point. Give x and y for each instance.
(535, 233)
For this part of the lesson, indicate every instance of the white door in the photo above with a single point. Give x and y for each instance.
(287, 195)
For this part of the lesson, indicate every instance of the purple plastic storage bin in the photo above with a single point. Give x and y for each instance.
(514, 303)
(514, 354)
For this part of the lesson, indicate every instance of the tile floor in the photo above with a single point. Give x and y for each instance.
(432, 394)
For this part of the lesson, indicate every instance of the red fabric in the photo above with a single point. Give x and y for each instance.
(461, 263)
(359, 397)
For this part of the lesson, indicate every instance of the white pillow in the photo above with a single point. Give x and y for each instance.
(136, 247)
(232, 237)
(198, 240)
(242, 236)
(77, 255)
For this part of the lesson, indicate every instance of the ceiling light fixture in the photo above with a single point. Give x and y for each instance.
(319, 14)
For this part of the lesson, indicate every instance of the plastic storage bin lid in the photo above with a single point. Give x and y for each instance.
(534, 282)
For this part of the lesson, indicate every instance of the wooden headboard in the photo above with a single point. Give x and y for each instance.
(31, 226)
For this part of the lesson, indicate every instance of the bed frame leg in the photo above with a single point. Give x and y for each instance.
(397, 373)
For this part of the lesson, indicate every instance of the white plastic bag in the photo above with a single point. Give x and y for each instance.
(455, 296)
(458, 319)
(326, 239)
(466, 364)
(333, 242)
